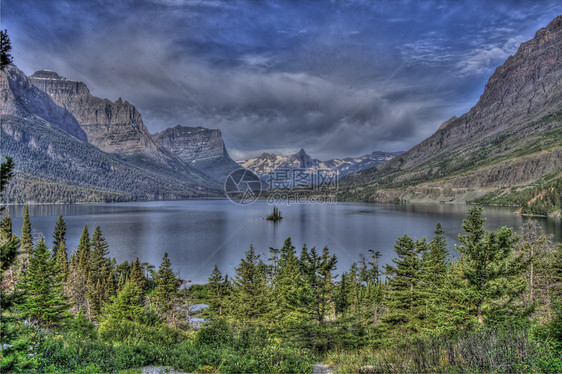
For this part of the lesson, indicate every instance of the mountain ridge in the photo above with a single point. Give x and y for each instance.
(54, 165)
(511, 137)
(267, 163)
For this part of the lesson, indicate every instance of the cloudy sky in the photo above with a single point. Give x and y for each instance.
(340, 78)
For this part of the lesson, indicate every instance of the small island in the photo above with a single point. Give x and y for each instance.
(275, 215)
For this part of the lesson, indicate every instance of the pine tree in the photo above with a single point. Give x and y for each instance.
(6, 227)
(136, 275)
(251, 302)
(433, 273)
(317, 271)
(59, 236)
(485, 266)
(9, 245)
(44, 300)
(403, 294)
(288, 287)
(218, 293)
(83, 251)
(166, 286)
(128, 305)
(26, 244)
(5, 48)
(98, 274)
(533, 254)
(59, 247)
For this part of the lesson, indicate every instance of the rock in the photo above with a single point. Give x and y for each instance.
(20, 98)
(200, 147)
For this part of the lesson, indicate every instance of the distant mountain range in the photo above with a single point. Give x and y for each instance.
(268, 165)
(508, 143)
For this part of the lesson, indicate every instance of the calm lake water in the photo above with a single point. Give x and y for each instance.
(198, 234)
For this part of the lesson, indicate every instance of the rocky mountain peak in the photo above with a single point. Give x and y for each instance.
(19, 97)
(46, 74)
(303, 159)
(191, 143)
(114, 127)
(200, 147)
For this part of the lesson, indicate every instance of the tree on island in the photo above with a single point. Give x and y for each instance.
(275, 215)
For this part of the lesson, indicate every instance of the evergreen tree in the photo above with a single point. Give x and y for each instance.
(289, 292)
(435, 259)
(485, 266)
(98, 283)
(128, 305)
(5, 56)
(136, 275)
(83, 251)
(250, 298)
(533, 254)
(44, 300)
(218, 293)
(59, 247)
(9, 245)
(6, 172)
(433, 273)
(403, 295)
(59, 236)
(166, 286)
(317, 271)
(6, 227)
(26, 244)
(77, 282)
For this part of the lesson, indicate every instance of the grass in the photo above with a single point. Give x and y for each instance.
(480, 351)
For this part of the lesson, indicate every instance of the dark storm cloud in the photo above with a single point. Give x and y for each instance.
(337, 78)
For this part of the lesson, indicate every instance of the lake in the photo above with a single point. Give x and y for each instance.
(198, 234)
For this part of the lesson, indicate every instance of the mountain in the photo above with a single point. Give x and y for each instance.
(54, 163)
(510, 141)
(199, 147)
(20, 98)
(115, 127)
(266, 164)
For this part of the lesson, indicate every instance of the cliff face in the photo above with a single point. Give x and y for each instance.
(114, 127)
(200, 147)
(20, 98)
(55, 163)
(191, 143)
(517, 119)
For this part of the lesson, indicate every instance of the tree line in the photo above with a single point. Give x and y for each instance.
(500, 279)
